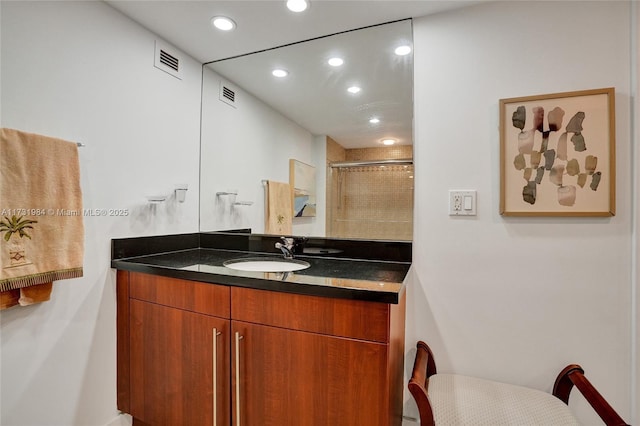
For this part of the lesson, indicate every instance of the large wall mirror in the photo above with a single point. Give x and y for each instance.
(334, 118)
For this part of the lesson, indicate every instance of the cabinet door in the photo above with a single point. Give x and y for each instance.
(179, 360)
(285, 377)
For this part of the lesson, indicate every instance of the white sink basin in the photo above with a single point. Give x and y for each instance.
(261, 264)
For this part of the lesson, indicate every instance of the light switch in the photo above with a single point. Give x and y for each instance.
(462, 203)
(468, 202)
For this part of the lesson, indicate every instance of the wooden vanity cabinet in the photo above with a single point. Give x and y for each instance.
(173, 351)
(172, 358)
(283, 359)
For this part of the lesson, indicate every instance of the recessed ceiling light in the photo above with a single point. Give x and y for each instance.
(223, 23)
(280, 73)
(335, 62)
(388, 141)
(353, 89)
(297, 5)
(403, 50)
(374, 120)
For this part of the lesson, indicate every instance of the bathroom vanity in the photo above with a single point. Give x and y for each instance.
(202, 344)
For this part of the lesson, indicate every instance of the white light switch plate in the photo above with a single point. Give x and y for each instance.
(462, 202)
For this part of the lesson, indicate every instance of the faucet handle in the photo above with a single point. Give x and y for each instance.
(288, 241)
(286, 246)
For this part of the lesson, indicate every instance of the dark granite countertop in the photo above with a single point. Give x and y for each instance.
(356, 279)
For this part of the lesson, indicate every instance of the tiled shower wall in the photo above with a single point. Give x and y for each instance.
(372, 202)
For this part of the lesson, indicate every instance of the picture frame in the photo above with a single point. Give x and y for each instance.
(557, 154)
(302, 179)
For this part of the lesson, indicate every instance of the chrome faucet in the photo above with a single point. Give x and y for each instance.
(286, 246)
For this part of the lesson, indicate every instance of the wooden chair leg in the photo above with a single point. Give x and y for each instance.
(572, 375)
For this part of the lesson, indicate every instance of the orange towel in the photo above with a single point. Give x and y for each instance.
(9, 298)
(25, 296)
(41, 226)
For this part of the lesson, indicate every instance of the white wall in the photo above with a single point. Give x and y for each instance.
(516, 299)
(241, 146)
(83, 72)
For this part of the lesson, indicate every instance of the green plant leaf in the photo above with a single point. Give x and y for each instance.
(23, 233)
(16, 224)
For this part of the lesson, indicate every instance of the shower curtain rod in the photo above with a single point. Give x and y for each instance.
(344, 164)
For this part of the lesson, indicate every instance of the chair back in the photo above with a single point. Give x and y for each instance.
(424, 367)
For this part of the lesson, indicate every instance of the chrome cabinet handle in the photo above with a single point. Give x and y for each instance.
(216, 333)
(238, 338)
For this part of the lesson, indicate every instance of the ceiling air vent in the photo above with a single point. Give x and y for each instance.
(167, 60)
(227, 93)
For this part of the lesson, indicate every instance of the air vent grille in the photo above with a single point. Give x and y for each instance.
(228, 94)
(167, 59)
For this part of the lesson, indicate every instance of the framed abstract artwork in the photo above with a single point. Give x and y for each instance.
(557, 154)
(302, 178)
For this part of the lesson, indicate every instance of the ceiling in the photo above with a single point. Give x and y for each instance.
(267, 24)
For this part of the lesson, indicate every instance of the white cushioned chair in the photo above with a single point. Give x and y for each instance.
(455, 400)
